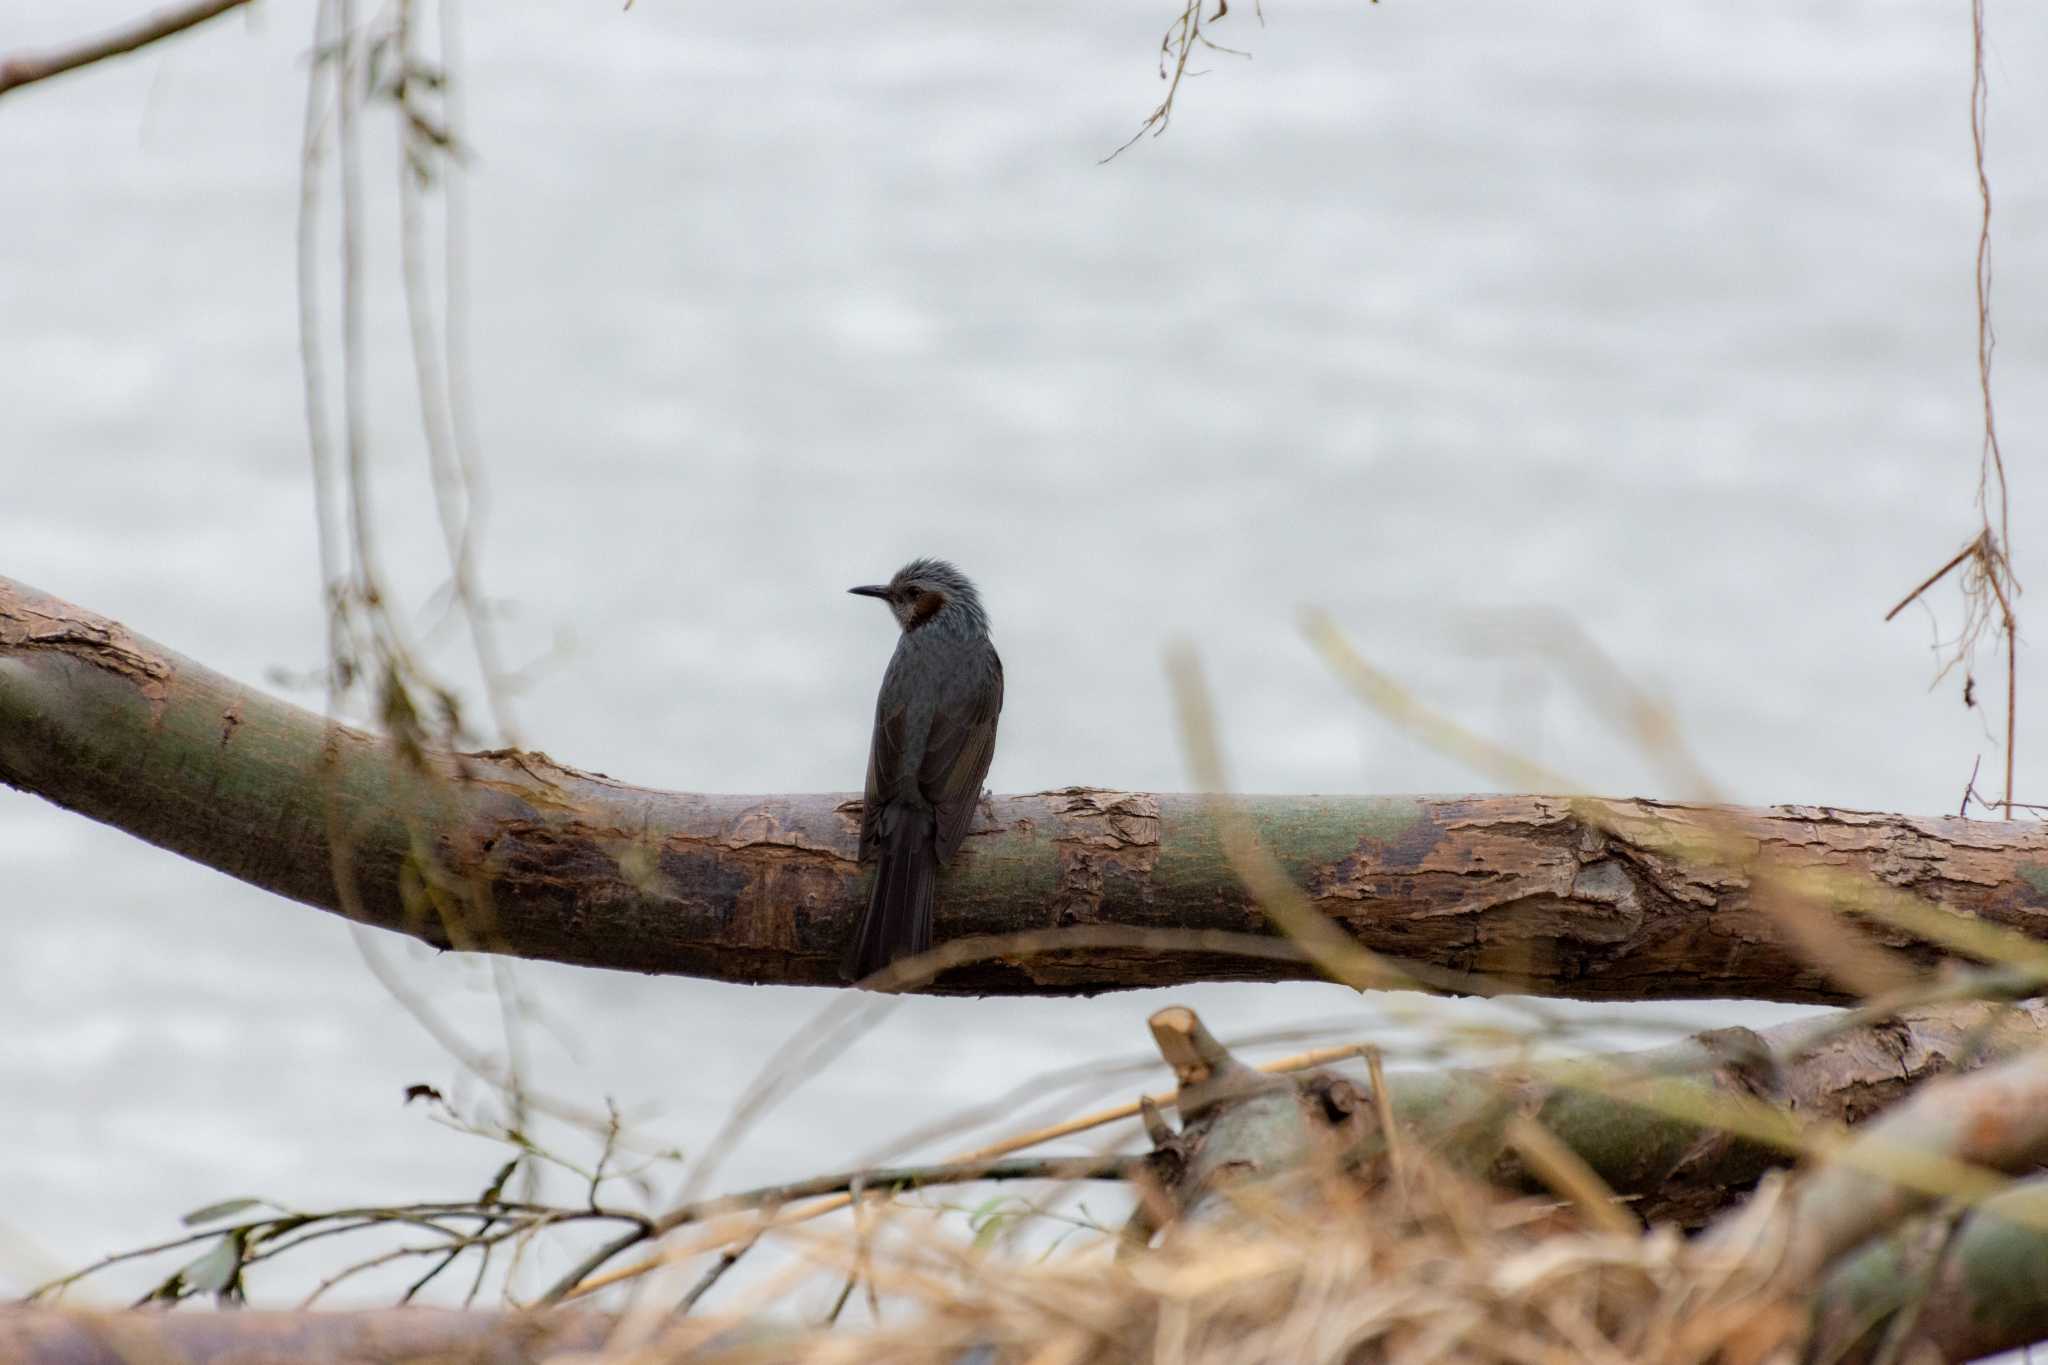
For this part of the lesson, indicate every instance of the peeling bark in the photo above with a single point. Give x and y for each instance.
(1955, 1134)
(512, 852)
(1670, 1170)
(1675, 1171)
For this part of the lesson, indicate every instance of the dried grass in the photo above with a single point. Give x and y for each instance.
(1437, 1268)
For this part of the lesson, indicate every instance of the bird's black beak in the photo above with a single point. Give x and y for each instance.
(871, 590)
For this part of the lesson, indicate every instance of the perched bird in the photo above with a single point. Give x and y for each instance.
(935, 733)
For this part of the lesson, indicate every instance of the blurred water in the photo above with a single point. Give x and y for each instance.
(1657, 316)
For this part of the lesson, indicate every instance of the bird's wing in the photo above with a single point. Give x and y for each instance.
(885, 760)
(956, 757)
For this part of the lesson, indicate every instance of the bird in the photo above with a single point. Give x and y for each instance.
(934, 738)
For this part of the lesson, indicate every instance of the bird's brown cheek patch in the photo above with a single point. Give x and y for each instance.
(926, 607)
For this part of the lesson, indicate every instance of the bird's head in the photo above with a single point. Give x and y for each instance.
(927, 590)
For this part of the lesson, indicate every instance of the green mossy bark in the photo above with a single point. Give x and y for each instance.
(512, 852)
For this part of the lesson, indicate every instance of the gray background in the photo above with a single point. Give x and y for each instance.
(1656, 316)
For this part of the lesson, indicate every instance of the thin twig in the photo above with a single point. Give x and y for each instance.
(435, 1270)
(839, 1304)
(1944, 571)
(1991, 468)
(576, 1283)
(727, 1259)
(26, 67)
(424, 143)
(1176, 46)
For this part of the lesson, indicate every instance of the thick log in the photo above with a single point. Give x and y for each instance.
(1972, 1290)
(1952, 1135)
(1603, 1108)
(1676, 1171)
(513, 852)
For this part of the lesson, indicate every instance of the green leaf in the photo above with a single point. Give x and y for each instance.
(216, 1270)
(1047, 1254)
(213, 1213)
(989, 1219)
(986, 1211)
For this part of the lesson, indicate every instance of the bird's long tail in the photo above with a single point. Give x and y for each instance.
(898, 920)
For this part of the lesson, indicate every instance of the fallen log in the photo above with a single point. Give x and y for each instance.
(509, 851)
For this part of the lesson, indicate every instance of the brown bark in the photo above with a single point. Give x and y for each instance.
(1954, 1135)
(512, 852)
(1669, 1170)
(1679, 1172)
(22, 68)
(1971, 1289)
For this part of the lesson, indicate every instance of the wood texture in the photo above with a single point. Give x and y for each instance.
(513, 852)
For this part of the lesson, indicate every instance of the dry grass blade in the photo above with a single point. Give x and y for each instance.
(1393, 701)
(1803, 901)
(1329, 947)
(746, 1226)
(1459, 1271)
(1383, 1109)
(1566, 1172)
(1605, 689)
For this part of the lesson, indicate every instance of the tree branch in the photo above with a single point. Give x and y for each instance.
(24, 67)
(512, 852)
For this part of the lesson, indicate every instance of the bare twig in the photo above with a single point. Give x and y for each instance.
(1943, 572)
(772, 1197)
(715, 1272)
(428, 143)
(25, 67)
(1183, 36)
(1994, 460)
(275, 1234)
(1991, 580)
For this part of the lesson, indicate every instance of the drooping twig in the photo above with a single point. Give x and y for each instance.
(1993, 468)
(1183, 37)
(1991, 581)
